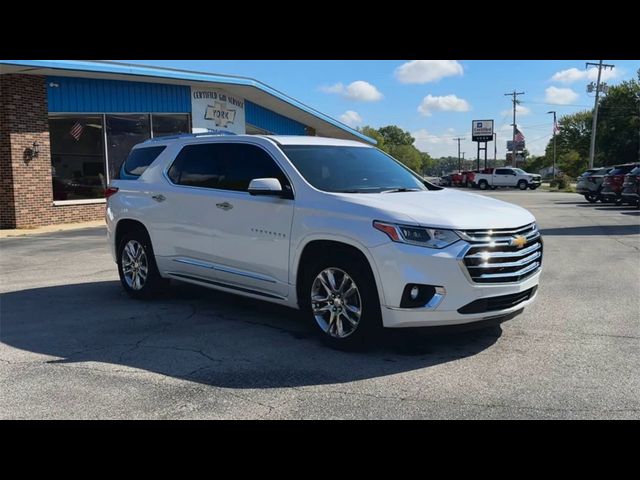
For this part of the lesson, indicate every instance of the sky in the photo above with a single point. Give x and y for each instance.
(435, 100)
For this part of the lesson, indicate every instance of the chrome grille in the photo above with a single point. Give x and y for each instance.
(494, 256)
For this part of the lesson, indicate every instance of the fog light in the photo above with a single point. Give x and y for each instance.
(414, 292)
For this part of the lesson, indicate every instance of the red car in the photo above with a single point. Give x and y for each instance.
(612, 185)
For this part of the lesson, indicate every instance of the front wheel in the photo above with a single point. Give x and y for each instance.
(340, 297)
(618, 201)
(522, 184)
(591, 197)
(137, 265)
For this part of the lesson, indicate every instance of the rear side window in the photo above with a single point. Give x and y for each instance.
(623, 170)
(224, 166)
(139, 159)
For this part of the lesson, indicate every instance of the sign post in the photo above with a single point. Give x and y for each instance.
(482, 132)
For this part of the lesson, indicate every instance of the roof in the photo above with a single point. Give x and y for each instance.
(280, 139)
(248, 88)
(303, 140)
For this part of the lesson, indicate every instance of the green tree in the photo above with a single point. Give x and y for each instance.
(572, 163)
(373, 133)
(619, 125)
(407, 154)
(394, 135)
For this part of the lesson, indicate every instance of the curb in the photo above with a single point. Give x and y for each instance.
(27, 232)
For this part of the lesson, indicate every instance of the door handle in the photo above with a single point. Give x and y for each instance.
(159, 197)
(224, 206)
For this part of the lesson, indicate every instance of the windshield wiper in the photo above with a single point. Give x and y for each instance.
(401, 189)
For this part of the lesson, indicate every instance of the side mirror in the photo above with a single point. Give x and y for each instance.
(265, 186)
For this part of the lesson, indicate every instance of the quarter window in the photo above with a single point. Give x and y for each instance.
(139, 159)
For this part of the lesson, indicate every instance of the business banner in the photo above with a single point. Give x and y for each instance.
(482, 131)
(216, 111)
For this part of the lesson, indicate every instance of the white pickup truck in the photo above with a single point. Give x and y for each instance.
(507, 177)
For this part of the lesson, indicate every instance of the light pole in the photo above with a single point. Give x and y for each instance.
(554, 142)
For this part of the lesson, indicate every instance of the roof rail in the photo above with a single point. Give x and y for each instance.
(187, 135)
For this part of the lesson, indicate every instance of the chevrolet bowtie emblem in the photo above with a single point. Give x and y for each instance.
(518, 241)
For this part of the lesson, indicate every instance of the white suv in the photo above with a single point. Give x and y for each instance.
(335, 228)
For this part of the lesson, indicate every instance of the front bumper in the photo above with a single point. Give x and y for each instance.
(399, 264)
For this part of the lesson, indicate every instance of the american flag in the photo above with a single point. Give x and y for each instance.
(556, 128)
(519, 136)
(76, 131)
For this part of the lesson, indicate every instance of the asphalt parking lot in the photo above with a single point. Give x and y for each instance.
(72, 345)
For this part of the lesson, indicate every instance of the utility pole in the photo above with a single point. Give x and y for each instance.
(458, 139)
(554, 142)
(514, 94)
(495, 148)
(592, 147)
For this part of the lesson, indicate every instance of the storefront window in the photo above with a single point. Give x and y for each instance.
(123, 133)
(77, 157)
(164, 125)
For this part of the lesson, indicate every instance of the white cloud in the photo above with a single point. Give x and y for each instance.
(359, 91)
(335, 88)
(424, 71)
(436, 145)
(520, 110)
(572, 75)
(351, 118)
(560, 96)
(446, 103)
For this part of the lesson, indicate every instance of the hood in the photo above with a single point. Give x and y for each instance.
(445, 208)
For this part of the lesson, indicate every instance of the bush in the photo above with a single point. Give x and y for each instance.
(561, 182)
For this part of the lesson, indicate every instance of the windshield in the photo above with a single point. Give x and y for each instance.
(351, 169)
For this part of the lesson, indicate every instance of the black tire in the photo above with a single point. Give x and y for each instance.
(370, 321)
(591, 197)
(154, 284)
(522, 185)
(618, 201)
(483, 184)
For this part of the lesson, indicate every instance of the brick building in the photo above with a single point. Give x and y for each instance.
(67, 126)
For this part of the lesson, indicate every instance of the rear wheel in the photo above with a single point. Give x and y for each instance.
(137, 265)
(591, 197)
(340, 296)
(483, 184)
(522, 185)
(618, 201)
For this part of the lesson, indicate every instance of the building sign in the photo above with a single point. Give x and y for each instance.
(216, 111)
(519, 145)
(482, 131)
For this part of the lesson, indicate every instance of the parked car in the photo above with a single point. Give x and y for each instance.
(590, 183)
(468, 179)
(335, 228)
(445, 181)
(508, 177)
(631, 187)
(612, 184)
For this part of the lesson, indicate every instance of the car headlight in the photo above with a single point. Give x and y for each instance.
(421, 236)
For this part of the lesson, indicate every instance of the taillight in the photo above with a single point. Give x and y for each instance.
(110, 191)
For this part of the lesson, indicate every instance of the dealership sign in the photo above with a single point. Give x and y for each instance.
(482, 130)
(519, 145)
(217, 111)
